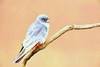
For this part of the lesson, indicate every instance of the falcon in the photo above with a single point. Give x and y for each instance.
(35, 36)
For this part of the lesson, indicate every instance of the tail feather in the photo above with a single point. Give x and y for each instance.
(21, 54)
(21, 49)
(18, 60)
(24, 51)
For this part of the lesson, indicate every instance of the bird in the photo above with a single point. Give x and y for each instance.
(36, 35)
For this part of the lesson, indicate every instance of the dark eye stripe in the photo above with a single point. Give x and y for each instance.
(44, 19)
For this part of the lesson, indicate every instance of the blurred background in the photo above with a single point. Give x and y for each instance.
(73, 49)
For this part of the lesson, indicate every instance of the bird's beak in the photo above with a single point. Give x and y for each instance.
(47, 21)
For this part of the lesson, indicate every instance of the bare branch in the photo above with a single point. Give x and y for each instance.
(57, 35)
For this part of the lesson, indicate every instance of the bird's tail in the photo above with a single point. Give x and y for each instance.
(20, 55)
(24, 51)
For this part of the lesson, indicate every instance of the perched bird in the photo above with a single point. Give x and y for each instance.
(35, 36)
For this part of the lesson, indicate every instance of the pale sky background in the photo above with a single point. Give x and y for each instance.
(73, 49)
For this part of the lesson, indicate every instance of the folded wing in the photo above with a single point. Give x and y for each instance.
(37, 33)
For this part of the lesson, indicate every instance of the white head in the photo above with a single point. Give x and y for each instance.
(43, 18)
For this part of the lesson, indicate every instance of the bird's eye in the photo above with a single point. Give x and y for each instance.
(43, 19)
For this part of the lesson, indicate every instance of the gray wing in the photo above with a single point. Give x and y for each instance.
(36, 33)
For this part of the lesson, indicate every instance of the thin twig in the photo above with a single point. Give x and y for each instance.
(57, 35)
